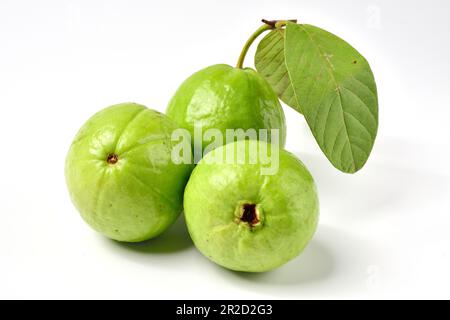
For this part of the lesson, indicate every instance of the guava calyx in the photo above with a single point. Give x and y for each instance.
(249, 214)
(112, 158)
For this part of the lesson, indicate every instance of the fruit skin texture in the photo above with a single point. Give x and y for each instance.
(224, 97)
(138, 197)
(287, 203)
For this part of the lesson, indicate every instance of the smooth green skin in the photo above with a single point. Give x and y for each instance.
(287, 202)
(141, 195)
(223, 97)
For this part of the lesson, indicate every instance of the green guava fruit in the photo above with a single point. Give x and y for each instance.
(222, 97)
(246, 221)
(120, 174)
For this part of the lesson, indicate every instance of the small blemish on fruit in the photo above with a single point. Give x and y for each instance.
(355, 62)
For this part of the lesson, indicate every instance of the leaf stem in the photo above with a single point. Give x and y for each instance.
(268, 25)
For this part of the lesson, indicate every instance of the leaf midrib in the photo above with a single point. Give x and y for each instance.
(337, 89)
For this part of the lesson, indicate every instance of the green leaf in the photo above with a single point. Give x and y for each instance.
(270, 63)
(335, 87)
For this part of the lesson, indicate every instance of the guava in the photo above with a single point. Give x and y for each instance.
(222, 97)
(120, 174)
(246, 221)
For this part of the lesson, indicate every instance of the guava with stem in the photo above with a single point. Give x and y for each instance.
(224, 97)
(121, 176)
(244, 220)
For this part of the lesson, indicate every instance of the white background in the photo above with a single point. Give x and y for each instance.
(384, 232)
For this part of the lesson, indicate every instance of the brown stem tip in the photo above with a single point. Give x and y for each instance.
(273, 23)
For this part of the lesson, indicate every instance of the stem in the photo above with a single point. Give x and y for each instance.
(268, 25)
(278, 23)
(249, 42)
